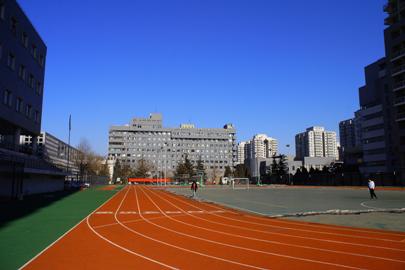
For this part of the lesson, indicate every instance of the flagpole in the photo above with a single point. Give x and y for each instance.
(68, 152)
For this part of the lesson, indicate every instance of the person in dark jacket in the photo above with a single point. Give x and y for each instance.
(194, 188)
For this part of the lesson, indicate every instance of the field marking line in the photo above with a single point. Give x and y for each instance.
(263, 240)
(54, 242)
(180, 248)
(132, 221)
(265, 217)
(283, 234)
(370, 207)
(123, 248)
(304, 230)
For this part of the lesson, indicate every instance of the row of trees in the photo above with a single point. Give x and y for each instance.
(88, 162)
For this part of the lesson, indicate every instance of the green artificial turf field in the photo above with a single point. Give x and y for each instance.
(30, 225)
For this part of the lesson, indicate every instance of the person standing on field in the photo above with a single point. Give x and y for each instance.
(371, 188)
(194, 188)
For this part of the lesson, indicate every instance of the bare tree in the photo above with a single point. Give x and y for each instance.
(143, 168)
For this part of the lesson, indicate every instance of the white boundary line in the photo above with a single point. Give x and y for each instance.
(265, 217)
(121, 247)
(245, 248)
(263, 240)
(180, 248)
(284, 234)
(71, 229)
(303, 230)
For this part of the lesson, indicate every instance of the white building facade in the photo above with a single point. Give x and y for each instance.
(316, 142)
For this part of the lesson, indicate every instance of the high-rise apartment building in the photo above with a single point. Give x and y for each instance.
(394, 90)
(316, 142)
(146, 138)
(348, 134)
(241, 153)
(22, 69)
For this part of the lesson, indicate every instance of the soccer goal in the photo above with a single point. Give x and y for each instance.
(240, 183)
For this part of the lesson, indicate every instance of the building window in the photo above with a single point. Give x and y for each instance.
(37, 116)
(41, 60)
(18, 105)
(21, 72)
(24, 39)
(13, 25)
(28, 111)
(34, 51)
(2, 11)
(11, 61)
(7, 98)
(38, 89)
(31, 81)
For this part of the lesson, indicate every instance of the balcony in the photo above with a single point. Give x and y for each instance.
(399, 101)
(397, 70)
(400, 117)
(399, 86)
(397, 55)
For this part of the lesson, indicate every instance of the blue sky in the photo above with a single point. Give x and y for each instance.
(264, 65)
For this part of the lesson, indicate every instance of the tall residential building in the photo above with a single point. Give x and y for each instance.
(347, 133)
(258, 150)
(394, 90)
(374, 120)
(316, 142)
(146, 138)
(22, 69)
(241, 153)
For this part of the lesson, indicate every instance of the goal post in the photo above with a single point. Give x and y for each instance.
(240, 183)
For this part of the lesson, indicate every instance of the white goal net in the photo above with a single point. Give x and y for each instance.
(240, 183)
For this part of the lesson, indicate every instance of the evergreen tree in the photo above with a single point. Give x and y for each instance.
(188, 167)
(117, 170)
(241, 171)
(228, 171)
(282, 166)
(200, 170)
(274, 167)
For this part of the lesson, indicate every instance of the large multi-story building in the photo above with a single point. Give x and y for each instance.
(241, 153)
(316, 142)
(56, 151)
(393, 102)
(374, 121)
(259, 150)
(348, 134)
(146, 138)
(22, 69)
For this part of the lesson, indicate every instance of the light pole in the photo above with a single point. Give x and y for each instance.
(165, 159)
(258, 171)
(288, 167)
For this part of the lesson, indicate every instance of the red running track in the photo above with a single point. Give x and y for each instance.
(144, 228)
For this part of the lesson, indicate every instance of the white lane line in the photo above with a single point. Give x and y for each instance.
(265, 218)
(180, 248)
(123, 248)
(283, 234)
(370, 207)
(103, 212)
(263, 240)
(239, 247)
(304, 230)
(71, 229)
(154, 212)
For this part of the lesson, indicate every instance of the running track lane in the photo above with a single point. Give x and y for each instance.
(146, 228)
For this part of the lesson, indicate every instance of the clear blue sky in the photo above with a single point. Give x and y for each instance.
(266, 66)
